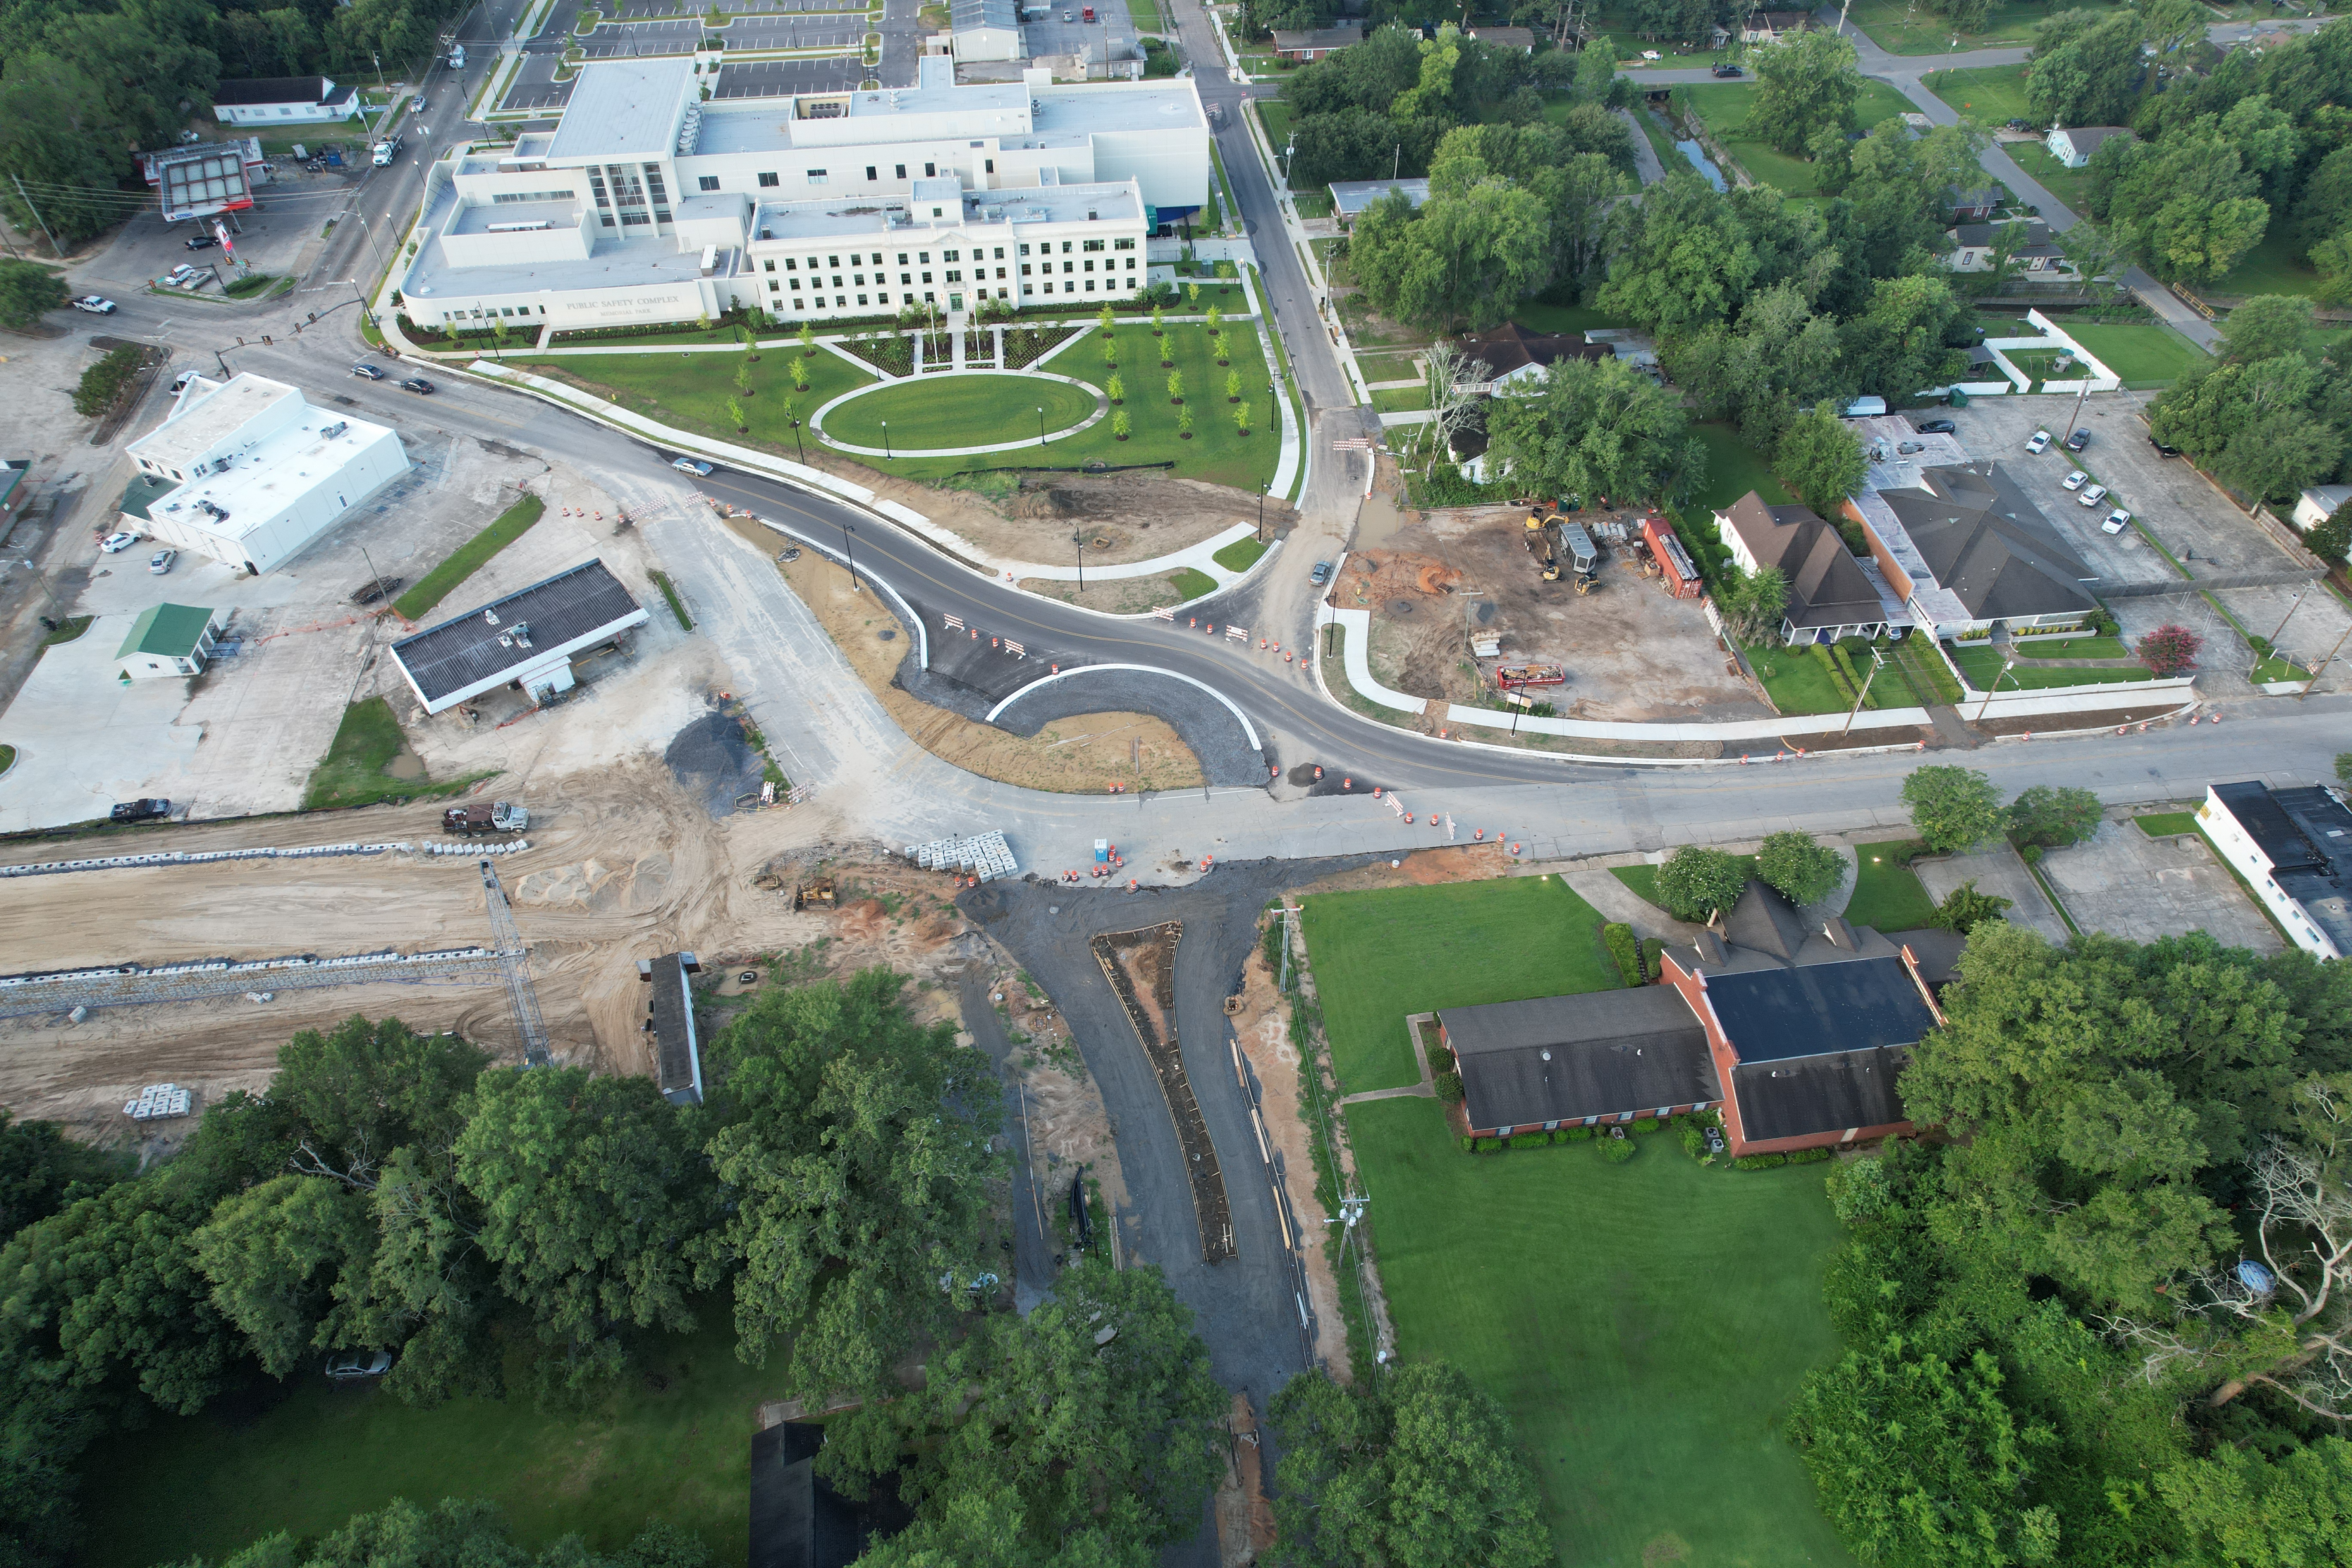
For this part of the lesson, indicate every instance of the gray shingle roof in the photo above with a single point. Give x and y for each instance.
(468, 650)
(1989, 545)
(1813, 1095)
(1610, 1051)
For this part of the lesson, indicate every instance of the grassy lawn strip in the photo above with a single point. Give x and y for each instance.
(7, 758)
(2275, 667)
(959, 411)
(469, 558)
(1646, 1388)
(1145, 13)
(1797, 682)
(2143, 356)
(1900, 28)
(1989, 95)
(352, 771)
(1378, 956)
(2076, 647)
(1194, 585)
(304, 1456)
(2071, 187)
(1981, 666)
(1888, 894)
(1240, 556)
(676, 605)
(1276, 116)
(69, 628)
(2165, 823)
(1402, 399)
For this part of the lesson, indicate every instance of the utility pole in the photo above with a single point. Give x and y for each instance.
(2321, 667)
(2291, 609)
(1877, 663)
(53, 248)
(2080, 398)
(2006, 662)
(1079, 542)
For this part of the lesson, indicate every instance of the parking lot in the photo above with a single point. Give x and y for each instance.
(270, 237)
(2165, 495)
(2125, 884)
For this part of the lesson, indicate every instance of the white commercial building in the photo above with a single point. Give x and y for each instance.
(284, 100)
(246, 472)
(2294, 847)
(647, 203)
(986, 29)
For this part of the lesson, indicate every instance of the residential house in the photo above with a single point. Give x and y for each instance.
(2072, 145)
(1315, 43)
(1351, 198)
(1830, 595)
(1520, 38)
(1517, 359)
(2035, 248)
(284, 100)
(2294, 847)
(2318, 503)
(1973, 206)
(169, 639)
(798, 1520)
(1965, 548)
(1794, 1031)
(1771, 26)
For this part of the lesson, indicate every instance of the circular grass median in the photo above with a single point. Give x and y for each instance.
(942, 413)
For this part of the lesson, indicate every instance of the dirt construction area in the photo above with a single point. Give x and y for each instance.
(1630, 652)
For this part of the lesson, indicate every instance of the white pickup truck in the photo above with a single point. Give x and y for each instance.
(386, 151)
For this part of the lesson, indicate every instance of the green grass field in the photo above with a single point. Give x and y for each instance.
(1378, 956)
(960, 411)
(1888, 894)
(1240, 556)
(1798, 682)
(1981, 666)
(1990, 95)
(1538, 316)
(210, 1483)
(1145, 13)
(1276, 117)
(1901, 29)
(2163, 823)
(1192, 585)
(2152, 355)
(2076, 647)
(1647, 1382)
(1724, 107)
(691, 390)
(468, 558)
(1733, 469)
(2070, 186)
(2271, 267)
(352, 771)
(1400, 399)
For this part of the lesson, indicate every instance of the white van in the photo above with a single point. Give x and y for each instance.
(1862, 407)
(457, 57)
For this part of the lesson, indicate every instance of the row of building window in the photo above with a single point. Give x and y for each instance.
(955, 274)
(769, 180)
(841, 302)
(516, 198)
(923, 257)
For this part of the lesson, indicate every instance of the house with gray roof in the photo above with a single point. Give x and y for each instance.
(1967, 548)
(1830, 595)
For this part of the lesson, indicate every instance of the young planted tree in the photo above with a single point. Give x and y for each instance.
(1117, 389)
(808, 340)
(1193, 294)
(1803, 869)
(735, 416)
(1696, 882)
(1111, 349)
(1120, 426)
(743, 336)
(1107, 319)
(1953, 809)
(1176, 386)
(1222, 347)
(1183, 423)
(1158, 322)
(1216, 319)
(743, 378)
(799, 375)
(2169, 650)
(1241, 419)
(1232, 386)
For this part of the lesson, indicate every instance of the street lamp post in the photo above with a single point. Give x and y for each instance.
(1079, 542)
(1041, 424)
(888, 454)
(849, 552)
(1260, 535)
(796, 438)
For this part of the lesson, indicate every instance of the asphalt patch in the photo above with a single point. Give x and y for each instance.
(713, 762)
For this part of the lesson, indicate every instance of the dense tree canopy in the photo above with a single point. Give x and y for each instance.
(1595, 429)
(1803, 84)
(2271, 416)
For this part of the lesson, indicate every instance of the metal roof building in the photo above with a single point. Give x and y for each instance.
(669, 1026)
(525, 640)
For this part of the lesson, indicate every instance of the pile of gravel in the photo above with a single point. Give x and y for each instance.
(713, 763)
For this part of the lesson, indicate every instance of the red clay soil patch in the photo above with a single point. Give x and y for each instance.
(1141, 968)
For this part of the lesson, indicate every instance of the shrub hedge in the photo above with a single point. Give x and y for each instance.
(1759, 1162)
(1576, 1134)
(1441, 1059)
(1489, 1146)
(1626, 949)
(1449, 1087)
(1645, 1124)
(1616, 1151)
(1808, 1156)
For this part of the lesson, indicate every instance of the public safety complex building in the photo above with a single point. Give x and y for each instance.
(649, 203)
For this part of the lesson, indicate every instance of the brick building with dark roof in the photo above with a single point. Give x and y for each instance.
(1968, 548)
(1795, 1032)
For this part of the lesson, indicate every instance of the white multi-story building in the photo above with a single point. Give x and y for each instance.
(648, 203)
(248, 472)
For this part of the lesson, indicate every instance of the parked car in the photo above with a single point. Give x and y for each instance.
(2092, 496)
(2021, 125)
(202, 241)
(689, 466)
(95, 304)
(161, 562)
(1938, 428)
(2161, 450)
(367, 372)
(2039, 444)
(182, 380)
(1726, 68)
(2074, 481)
(116, 544)
(2117, 520)
(140, 811)
(1321, 575)
(2077, 439)
(418, 383)
(357, 1366)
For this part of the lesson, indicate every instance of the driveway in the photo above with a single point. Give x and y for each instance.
(2125, 884)
(1996, 870)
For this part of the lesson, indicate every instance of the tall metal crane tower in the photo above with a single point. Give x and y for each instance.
(514, 963)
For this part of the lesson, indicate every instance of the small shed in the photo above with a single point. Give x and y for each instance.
(2318, 503)
(669, 1026)
(169, 639)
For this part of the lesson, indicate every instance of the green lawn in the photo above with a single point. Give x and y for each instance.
(468, 558)
(691, 390)
(1312, 203)
(960, 411)
(1799, 681)
(1733, 469)
(1145, 15)
(1643, 881)
(1981, 666)
(1901, 29)
(2163, 823)
(1240, 556)
(1538, 316)
(69, 629)
(1724, 107)
(2074, 647)
(1380, 956)
(1276, 116)
(1989, 95)
(1192, 585)
(1888, 894)
(2041, 364)
(1402, 399)
(2151, 355)
(1646, 1389)
(352, 771)
(2070, 186)
(2271, 267)
(208, 1484)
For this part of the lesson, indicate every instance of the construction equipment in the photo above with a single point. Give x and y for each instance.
(494, 817)
(815, 894)
(1585, 583)
(1511, 676)
(515, 965)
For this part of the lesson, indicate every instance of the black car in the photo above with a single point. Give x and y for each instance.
(2021, 125)
(202, 241)
(1726, 68)
(2078, 439)
(1938, 428)
(416, 383)
(2161, 450)
(1321, 575)
(367, 372)
(140, 810)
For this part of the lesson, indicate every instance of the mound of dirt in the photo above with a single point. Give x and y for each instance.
(714, 763)
(598, 886)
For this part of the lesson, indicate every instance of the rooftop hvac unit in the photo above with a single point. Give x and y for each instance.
(522, 633)
(689, 128)
(766, 235)
(525, 227)
(337, 428)
(709, 260)
(490, 618)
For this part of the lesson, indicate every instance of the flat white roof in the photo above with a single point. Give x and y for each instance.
(196, 425)
(258, 484)
(843, 218)
(625, 109)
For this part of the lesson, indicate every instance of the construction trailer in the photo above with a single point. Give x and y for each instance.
(1675, 566)
(1510, 677)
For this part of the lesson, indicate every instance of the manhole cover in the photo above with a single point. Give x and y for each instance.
(888, 636)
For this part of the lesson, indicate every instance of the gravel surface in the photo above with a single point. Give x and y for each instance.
(1243, 1308)
(713, 763)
